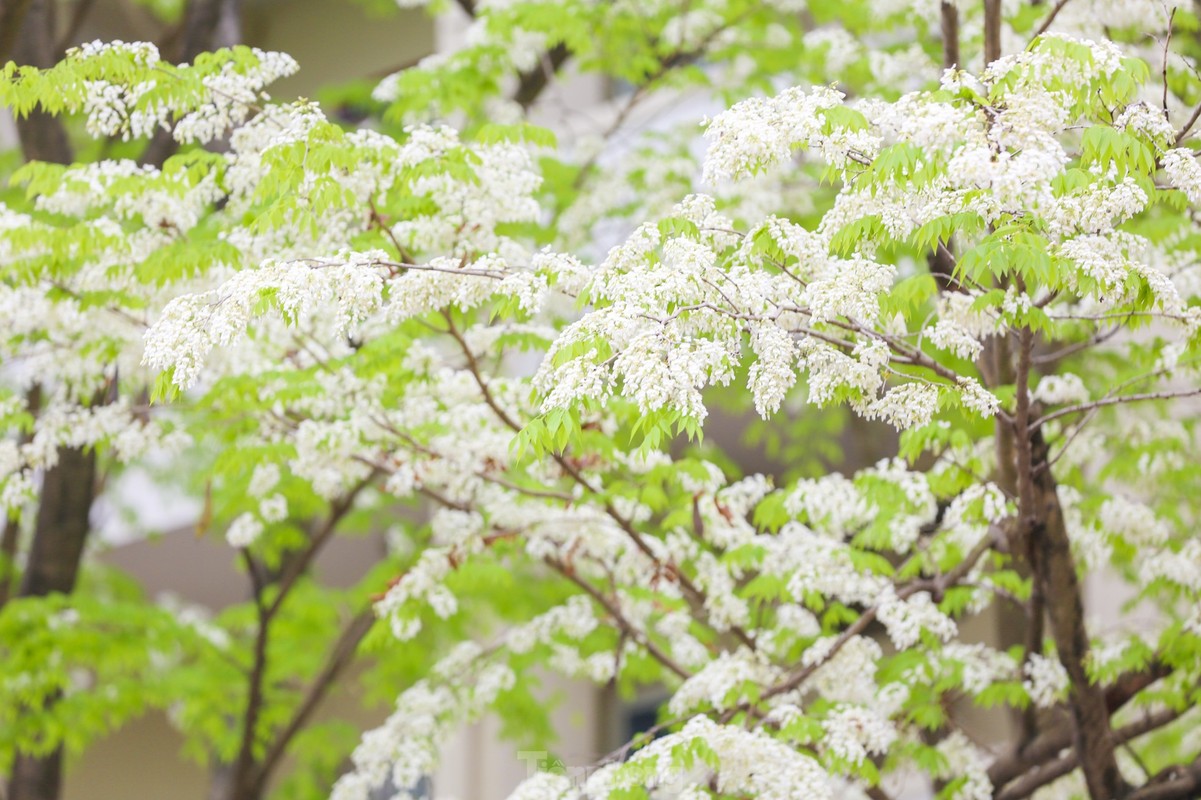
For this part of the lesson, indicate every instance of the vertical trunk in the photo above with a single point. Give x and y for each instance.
(62, 524)
(37, 778)
(992, 31)
(1055, 571)
(43, 138)
(949, 13)
(61, 527)
(59, 537)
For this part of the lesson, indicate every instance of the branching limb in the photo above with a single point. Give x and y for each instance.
(340, 656)
(1045, 773)
(1049, 20)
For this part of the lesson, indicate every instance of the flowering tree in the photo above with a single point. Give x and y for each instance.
(990, 245)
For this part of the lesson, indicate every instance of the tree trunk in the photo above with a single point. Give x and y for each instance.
(58, 541)
(1055, 572)
(61, 527)
(43, 137)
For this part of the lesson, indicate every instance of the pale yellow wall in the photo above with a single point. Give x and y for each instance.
(336, 40)
(140, 761)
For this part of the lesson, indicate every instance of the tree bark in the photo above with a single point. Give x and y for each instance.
(12, 14)
(43, 137)
(62, 525)
(1055, 571)
(61, 531)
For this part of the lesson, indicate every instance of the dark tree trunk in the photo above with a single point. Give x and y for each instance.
(1055, 572)
(61, 528)
(43, 138)
(59, 537)
(62, 524)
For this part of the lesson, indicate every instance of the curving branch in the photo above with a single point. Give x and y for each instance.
(1049, 771)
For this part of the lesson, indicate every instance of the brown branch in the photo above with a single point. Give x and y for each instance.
(42, 135)
(935, 586)
(297, 567)
(1045, 773)
(12, 15)
(1049, 19)
(340, 656)
(202, 19)
(1167, 44)
(1055, 739)
(8, 557)
(243, 771)
(611, 510)
(1049, 550)
(1111, 401)
(10, 538)
(534, 81)
(1174, 783)
(1188, 126)
(615, 613)
(82, 9)
(1055, 568)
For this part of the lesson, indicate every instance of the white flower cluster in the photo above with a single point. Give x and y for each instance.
(1060, 389)
(244, 531)
(1181, 567)
(721, 683)
(231, 95)
(192, 325)
(751, 763)
(63, 423)
(112, 110)
(966, 761)
(422, 585)
(905, 620)
(774, 372)
(910, 405)
(854, 732)
(407, 746)
(1045, 680)
(138, 106)
(1181, 168)
(759, 133)
(960, 329)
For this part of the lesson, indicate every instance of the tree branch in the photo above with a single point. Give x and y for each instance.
(340, 656)
(42, 135)
(935, 586)
(202, 18)
(1045, 773)
(615, 613)
(297, 567)
(534, 81)
(1174, 783)
(243, 772)
(992, 31)
(1053, 740)
(1055, 569)
(1049, 19)
(1113, 401)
